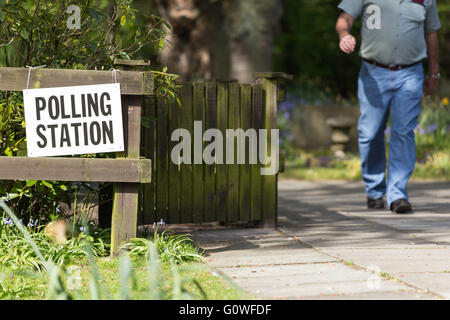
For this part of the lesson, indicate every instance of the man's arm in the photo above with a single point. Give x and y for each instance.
(344, 24)
(432, 81)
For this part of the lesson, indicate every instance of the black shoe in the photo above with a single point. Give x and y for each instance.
(375, 203)
(401, 206)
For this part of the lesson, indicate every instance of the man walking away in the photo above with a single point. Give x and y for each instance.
(397, 35)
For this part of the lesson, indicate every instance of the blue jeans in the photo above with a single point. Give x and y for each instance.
(380, 92)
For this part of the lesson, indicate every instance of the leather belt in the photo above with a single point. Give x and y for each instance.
(390, 67)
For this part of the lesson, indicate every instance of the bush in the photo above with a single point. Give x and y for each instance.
(35, 33)
(170, 246)
(16, 251)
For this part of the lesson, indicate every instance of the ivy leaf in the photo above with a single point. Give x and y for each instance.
(31, 183)
(48, 185)
(8, 152)
(123, 20)
(125, 55)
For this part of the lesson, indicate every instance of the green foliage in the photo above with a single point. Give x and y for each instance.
(17, 252)
(31, 198)
(170, 246)
(434, 125)
(36, 33)
(307, 46)
(433, 139)
(12, 125)
(166, 86)
(432, 149)
(64, 283)
(444, 34)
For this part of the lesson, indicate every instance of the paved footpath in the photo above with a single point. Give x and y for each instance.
(329, 246)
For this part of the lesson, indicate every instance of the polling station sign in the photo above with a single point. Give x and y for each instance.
(73, 120)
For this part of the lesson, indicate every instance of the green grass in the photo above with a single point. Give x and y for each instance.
(315, 174)
(164, 265)
(309, 165)
(431, 164)
(23, 286)
(17, 252)
(349, 263)
(422, 172)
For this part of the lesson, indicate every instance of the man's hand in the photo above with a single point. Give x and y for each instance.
(344, 24)
(430, 85)
(348, 44)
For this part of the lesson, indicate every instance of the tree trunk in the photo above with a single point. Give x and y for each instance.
(224, 39)
(251, 27)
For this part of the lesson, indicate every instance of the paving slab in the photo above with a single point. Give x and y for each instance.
(396, 260)
(269, 264)
(332, 217)
(437, 282)
(329, 246)
(312, 280)
(378, 295)
(249, 247)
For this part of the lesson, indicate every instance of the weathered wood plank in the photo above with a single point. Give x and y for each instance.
(186, 123)
(256, 181)
(126, 195)
(75, 169)
(221, 168)
(269, 182)
(162, 159)
(173, 215)
(233, 167)
(149, 190)
(132, 63)
(124, 214)
(245, 169)
(16, 79)
(210, 169)
(197, 168)
(134, 127)
(273, 75)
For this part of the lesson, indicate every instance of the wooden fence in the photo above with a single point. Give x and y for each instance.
(193, 193)
(127, 172)
(177, 193)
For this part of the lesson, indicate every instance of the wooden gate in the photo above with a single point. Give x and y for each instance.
(193, 193)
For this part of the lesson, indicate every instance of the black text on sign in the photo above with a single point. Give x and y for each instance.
(73, 120)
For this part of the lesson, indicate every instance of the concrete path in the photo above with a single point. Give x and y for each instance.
(329, 246)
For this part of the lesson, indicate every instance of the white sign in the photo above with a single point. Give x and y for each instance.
(73, 120)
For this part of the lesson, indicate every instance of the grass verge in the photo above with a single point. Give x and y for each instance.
(163, 265)
(199, 282)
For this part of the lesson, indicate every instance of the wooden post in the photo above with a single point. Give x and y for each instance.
(126, 195)
(272, 84)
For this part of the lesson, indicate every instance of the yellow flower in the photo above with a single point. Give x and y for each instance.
(445, 101)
